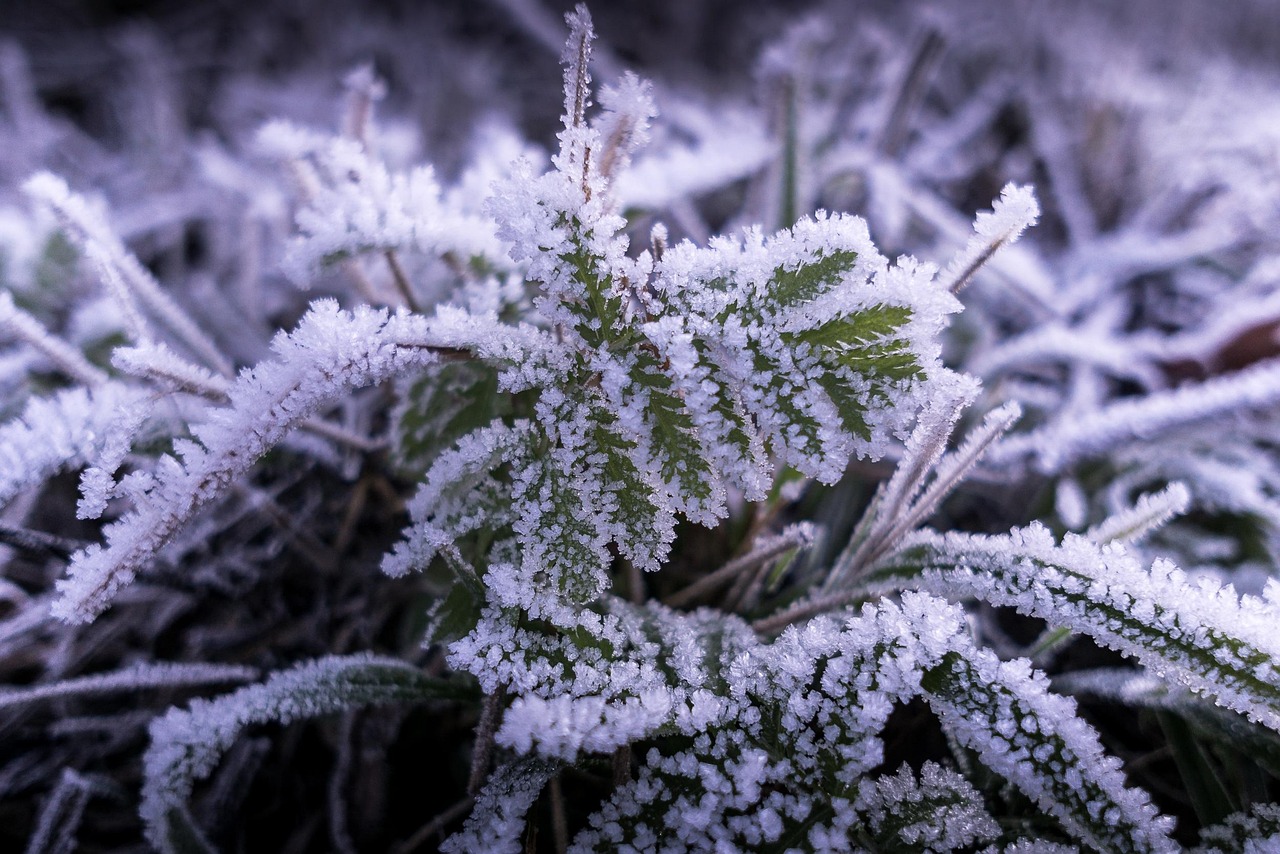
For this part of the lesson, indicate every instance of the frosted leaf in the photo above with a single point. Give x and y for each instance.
(1032, 737)
(186, 744)
(154, 361)
(798, 728)
(675, 377)
(139, 677)
(97, 483)
(359, 206)
(576, 58)
(58, 432)
(460, 495)
(941, 811)
(1197, 635)
(63, 356)
(125, 276)
(1150, 512)
(1065, 441)
(329, 352)
(1256, 831)
(564, 726)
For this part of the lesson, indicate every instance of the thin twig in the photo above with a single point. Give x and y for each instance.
(368, 291)
(401, 279)
(331, 431)
(909, 92)
(38, 543)
(483, 750)
(803, 611)
(791, 538)
(351, 516)
(635, 583)
(559, 825)
(436, 826)
(307, 544)
(339, 832)
(963, 278)
(622, 766)
(745, 594)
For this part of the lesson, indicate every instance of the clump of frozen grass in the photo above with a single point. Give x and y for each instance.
(570, 401)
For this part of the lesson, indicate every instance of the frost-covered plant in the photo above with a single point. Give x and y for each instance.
(570, 406)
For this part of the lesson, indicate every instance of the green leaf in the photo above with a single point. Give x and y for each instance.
(1209, 797)
(1251, 832)
(1202, 638)
(867, 325)
(441, 406)
(800, 429)
(942, 811)
(601, 310)
(646, 532)
(454, 616)
(1032, 738)
(466, 492)
(790, 286)
(683, 465)
(558, 530)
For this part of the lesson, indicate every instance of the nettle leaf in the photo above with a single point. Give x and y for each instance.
(647, 527)
(453, 616)
(939, 811)
(465, 491)
(598, 304)
(497, 822)
(808, 280)
(563, 554)
(677, 453)
(679, 375)
(831, 338)
(782, 761)
(1252, 832)
(1033, 739)
(438, 408)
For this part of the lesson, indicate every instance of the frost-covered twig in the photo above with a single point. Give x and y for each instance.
(1076, 436)
(793, 537)
(63, 356)
(1012, 214)
(137, 678)
(904, 502)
